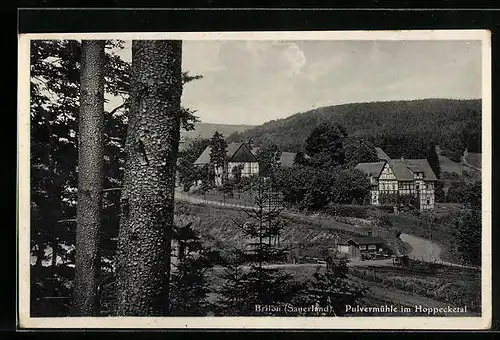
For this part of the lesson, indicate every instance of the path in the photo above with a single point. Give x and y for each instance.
(466, 163)
(426, 250)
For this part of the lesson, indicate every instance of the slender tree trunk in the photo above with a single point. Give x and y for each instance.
(90, 179)
(147, 202)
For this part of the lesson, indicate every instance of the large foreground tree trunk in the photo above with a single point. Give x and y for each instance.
(90, 178)
(147, 202)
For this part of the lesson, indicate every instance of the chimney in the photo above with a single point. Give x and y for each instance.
(402, 158)
(250, 144)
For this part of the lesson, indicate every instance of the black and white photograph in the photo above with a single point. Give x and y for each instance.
(290, 179)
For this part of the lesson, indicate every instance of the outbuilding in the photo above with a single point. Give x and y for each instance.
(361, 247)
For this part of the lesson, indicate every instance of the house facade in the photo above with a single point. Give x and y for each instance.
(240, 154)
(237, 154)
(401, 177)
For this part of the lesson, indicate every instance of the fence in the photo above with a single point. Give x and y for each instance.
(237, 199)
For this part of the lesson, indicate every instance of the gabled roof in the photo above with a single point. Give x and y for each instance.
(232, 149)
(404, 169)
(287, 159)
(363, 240)
(366, 240)
(372, 169)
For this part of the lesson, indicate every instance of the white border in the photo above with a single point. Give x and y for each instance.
(402, 323)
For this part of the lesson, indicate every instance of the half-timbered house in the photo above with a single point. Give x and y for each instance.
(412, 177)
(237, 154)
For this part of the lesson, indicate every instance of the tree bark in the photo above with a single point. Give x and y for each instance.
(147, 201)
(90, 179)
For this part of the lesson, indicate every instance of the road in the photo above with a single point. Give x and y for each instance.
(426, 250)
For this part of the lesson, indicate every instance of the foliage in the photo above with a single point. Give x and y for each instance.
(467, 236)
(471, 195)
(305, 187)
(258, 285)
(227, 188)
(325, 146)
(468, 194)
(188, 172)
(236, 174)
(54, 106)
(189, 281)
(268, 157)
(331, 289)
(439, 194)
(396, 199)
(218, 150)
(384, 221)
(359, 150)
(300, 159)
(433, 159)
(349, 185)
(347, 210)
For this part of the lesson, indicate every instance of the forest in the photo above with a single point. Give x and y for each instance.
(400, 128)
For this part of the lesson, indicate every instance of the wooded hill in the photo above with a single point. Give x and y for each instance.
(401, 128)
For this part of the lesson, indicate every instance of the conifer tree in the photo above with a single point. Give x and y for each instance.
(257, 284)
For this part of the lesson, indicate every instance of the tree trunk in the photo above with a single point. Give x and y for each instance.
(147, 202)
(90, 179)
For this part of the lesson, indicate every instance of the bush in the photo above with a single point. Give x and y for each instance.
(357, 211)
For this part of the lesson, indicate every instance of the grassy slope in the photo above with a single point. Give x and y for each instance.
(220, 227)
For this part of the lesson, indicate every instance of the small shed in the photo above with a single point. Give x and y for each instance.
(357, 246)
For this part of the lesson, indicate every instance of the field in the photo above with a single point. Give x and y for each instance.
(453, 285)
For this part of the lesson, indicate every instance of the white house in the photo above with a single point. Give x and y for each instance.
(237, 154)
(401, 176)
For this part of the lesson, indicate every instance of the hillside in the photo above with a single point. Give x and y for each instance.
(395, 125)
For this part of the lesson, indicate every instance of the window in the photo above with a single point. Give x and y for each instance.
(428, 201)
(362, 247)
(372, 247)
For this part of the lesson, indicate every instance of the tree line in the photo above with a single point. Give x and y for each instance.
(401, 128)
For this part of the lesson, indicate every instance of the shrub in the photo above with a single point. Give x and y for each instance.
(357, 211)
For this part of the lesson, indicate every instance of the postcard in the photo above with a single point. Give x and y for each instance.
(255, 180)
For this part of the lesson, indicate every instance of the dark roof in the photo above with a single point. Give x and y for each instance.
(232, 148)
(372, 169)
(365, 240)
(404, 169)
(382, 155)
(287, 159)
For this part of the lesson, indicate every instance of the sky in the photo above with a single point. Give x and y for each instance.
(252, 82)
